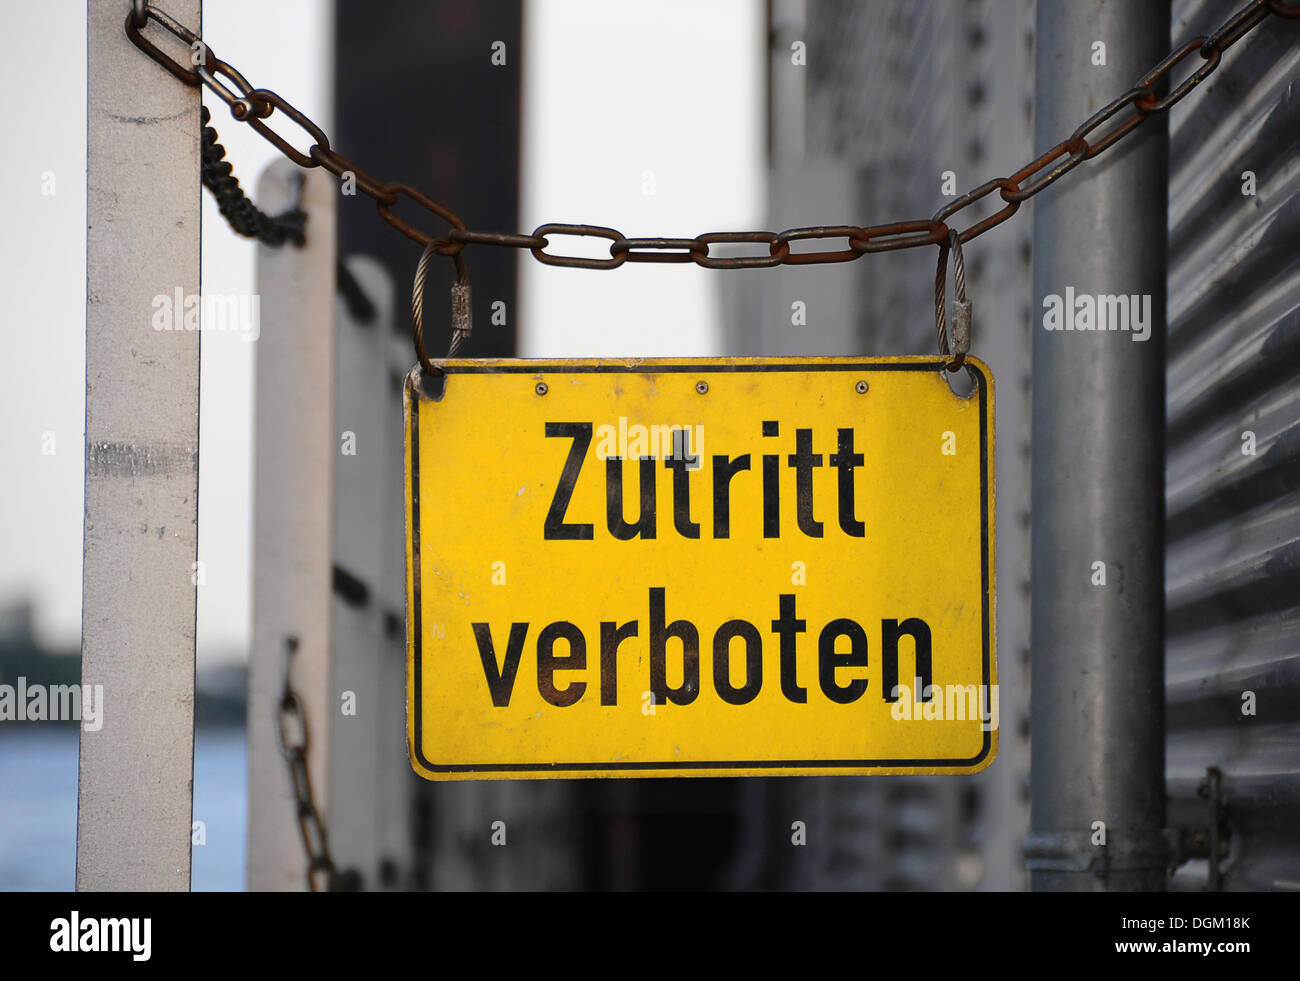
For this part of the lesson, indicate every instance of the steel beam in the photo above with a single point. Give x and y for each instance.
(295, 445)
(1098, 468)
(142, 466)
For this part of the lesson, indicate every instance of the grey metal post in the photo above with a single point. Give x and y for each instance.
(370, 778)
(293, 485)
(139, 597)
(787, 83)
(1098, 469)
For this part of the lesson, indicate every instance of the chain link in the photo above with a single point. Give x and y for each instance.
(254, 106)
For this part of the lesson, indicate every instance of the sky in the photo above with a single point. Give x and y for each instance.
(649, 156)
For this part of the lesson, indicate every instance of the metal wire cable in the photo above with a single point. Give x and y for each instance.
(954, 344)
(460, 308)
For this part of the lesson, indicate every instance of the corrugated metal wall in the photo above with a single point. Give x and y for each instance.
(1233, 560)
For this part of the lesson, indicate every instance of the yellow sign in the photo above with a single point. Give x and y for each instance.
(699, 567)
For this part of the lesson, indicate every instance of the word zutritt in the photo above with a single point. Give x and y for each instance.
(803, 461)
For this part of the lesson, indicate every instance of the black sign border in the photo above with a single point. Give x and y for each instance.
(648, 366)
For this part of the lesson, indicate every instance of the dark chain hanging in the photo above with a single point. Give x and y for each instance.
(245, 218)
(294, 739)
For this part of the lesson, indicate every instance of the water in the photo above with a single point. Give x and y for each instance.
(38, 807)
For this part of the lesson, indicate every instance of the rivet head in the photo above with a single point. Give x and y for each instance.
(541, 388)
(861, 388)
(702, 387)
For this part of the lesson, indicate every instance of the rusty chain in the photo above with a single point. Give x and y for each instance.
(291, 732)
(254, 106)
